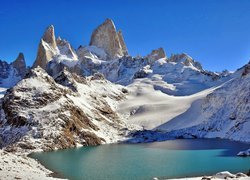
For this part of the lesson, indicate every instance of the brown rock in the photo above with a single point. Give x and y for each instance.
(47, 48)
(106, 37)
(157, 54)
(124, 48)
(49, 36)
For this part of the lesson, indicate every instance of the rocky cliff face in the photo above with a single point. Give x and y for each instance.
(49, 36)
(122, 42)
(106, 37)
(157, 54)
(58, 50)
(47, 48)
(62, 112)
(11, 73)
(20, 65)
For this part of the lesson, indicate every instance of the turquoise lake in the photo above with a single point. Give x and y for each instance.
(168, 159)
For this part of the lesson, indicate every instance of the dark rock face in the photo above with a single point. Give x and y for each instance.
(157, 54)
(4, 67)
(140, 74)
(69, 80)
(20, 65)
(246, 69)
(11, 73)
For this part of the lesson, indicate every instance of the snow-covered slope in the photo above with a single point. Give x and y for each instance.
(220, 112)
(45, 113)
(152, 108)
(225, 113)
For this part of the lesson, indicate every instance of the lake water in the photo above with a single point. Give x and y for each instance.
(168, 159)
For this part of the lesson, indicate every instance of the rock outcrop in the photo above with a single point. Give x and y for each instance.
(49, 36)
(122, 42)
(11, 73)
(106, 37)
(157, 54)
(20, 65)
(47, 48)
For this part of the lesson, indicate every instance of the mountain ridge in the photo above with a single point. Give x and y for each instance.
(100, 94)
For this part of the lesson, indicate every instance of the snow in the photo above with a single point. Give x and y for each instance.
(2, 91)
(99, 52)
(16, 166)
(244, 153)
(152, 109)
(218, 112)
(11, 80)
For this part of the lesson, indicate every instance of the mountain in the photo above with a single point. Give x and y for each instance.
(11, 73)
(107, 54)
(65, 111)
(107, 38)
(225, 113)
(218, 112)
(51, 48)
(99, 94)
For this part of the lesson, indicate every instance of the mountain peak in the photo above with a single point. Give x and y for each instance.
(157, 54)
(109, 21)
(47, 48)
(106, 37)
(20, 65)
(49, 36)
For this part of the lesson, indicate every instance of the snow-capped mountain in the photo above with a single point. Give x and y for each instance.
(218, 112)
(225, 113)
(98, 93)
(11, 73)
(64, 111)
(176, 75)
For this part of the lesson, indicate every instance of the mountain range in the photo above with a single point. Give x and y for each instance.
(98, 94)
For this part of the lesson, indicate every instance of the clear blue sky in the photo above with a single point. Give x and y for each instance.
(214, 32)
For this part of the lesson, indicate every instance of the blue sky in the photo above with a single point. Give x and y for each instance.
(214, 32)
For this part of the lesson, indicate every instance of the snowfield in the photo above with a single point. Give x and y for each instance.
(154, 110)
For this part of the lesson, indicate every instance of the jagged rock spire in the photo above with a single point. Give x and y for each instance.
(49, 36)
(20, 65)
(47, 48)
(123, 45)
(106, 37)
(157, 54)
